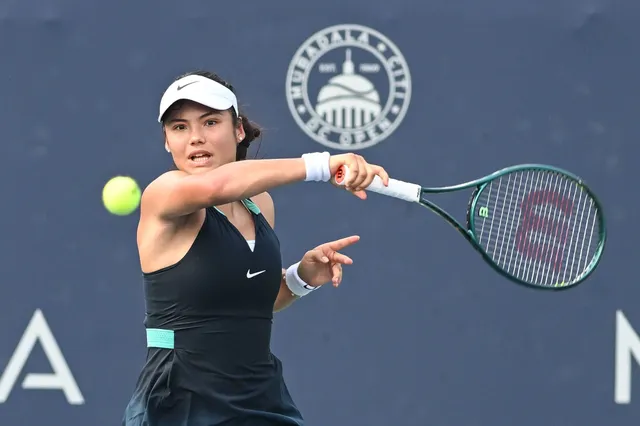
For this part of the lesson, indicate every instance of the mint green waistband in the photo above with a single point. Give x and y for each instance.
(159, 338)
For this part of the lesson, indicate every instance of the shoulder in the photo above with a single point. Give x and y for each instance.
(161, 182)
(159, 187)
(266, 206)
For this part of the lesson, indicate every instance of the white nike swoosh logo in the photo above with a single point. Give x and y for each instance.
(250, 275)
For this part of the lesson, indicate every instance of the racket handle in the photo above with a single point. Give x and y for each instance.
(397, 188)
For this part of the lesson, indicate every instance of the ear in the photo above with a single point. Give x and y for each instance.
(166, 146)
(240, 134)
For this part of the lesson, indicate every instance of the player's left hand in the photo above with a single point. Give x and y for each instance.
(323, 264)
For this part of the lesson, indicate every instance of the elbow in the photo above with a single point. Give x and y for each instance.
(228, 183)
(220, 189)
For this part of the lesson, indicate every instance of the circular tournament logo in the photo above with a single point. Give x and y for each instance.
(348, 87)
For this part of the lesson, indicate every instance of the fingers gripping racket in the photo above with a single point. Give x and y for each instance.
(536, 225)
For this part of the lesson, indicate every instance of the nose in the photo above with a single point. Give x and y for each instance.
(196, 138)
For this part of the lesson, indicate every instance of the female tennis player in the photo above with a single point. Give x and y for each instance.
(212, 269)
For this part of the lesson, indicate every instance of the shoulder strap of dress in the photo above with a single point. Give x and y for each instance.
(251, 206)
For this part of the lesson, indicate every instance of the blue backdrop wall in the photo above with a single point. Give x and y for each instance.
(422, 332)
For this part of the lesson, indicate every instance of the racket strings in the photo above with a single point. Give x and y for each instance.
(538, 226)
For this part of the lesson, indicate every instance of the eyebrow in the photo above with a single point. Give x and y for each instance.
(206, 114)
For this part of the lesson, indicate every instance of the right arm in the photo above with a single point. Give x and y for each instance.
(177, 193)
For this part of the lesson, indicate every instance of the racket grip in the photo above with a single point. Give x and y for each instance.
(398, 189)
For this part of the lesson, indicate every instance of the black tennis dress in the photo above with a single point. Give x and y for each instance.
(208, 325)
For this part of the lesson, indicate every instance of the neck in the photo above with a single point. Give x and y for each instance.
(230, 209)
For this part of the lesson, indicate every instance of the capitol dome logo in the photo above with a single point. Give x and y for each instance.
(348, 87)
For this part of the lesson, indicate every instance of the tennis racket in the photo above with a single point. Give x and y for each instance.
(535, 224)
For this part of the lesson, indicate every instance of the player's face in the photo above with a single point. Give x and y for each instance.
(200, 138)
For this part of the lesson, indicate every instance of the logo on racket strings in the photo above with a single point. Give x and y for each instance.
(348, 87)
(552, 223)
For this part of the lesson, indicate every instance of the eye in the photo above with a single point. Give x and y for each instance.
(210, 122)
(179, 127)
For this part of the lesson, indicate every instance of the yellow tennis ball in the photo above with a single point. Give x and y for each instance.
(121, 195)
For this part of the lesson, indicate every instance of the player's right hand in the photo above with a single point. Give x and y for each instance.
(360, 175)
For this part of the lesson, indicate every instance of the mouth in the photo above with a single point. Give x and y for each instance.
(200, 157)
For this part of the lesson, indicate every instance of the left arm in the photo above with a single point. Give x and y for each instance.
(285, 297)
(317, 267)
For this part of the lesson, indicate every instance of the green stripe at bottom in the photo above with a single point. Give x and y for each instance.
(158, 338)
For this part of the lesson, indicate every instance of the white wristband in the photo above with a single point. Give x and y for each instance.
(317, 165)
(295, 283)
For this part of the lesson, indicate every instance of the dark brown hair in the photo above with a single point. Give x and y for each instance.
(252, 130)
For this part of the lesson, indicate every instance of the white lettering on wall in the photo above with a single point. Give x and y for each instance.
(627, 349)
(61, 379)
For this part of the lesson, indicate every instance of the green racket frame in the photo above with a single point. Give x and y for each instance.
(415, 193)
(468, 231)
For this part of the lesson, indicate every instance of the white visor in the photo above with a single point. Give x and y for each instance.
(201, 90)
